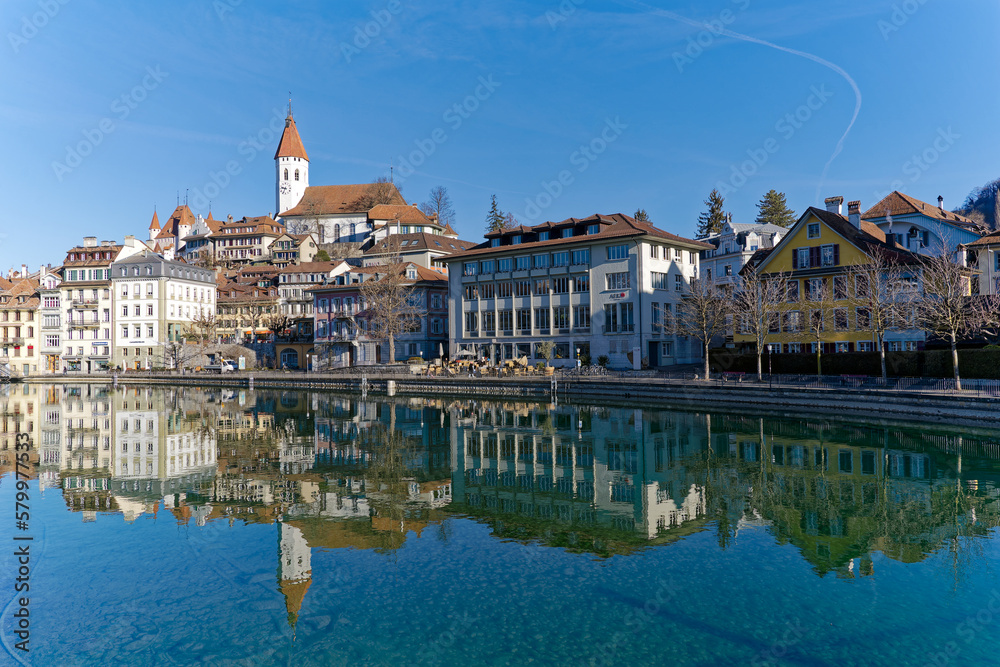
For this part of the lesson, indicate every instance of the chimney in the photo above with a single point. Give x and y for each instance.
(941, 202)
(854, 213)
(42, 272)
(129, 240)
(833, 204)
(24, 271)
(89, 241)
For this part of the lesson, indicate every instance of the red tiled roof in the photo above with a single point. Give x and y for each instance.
(410, 215)
(992, 238)
(310, 267)
(333, 199)
(291, 143)
(617, 225)
(900, 204)
(155, 224)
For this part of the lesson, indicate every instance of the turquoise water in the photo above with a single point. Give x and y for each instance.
(316, 529)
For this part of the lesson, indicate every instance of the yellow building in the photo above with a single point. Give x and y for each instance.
(823, 305)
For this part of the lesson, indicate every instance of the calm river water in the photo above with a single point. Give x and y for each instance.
(189, 526)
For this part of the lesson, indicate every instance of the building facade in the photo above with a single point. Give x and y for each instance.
(158, 305)
(598, 286)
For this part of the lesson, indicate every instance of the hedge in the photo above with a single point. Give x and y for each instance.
(981, 363)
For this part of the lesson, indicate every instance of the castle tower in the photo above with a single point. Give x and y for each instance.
(291, 167)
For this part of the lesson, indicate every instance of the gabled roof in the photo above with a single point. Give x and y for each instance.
(334, 199)
(986, 241)
(899, 204)
(291, 143)
(420, 241)
(869, 239)
(410, 215)
(310, 267)
(617, 225)
(260, 224)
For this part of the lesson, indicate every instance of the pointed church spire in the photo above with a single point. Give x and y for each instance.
(155, 224)
(291, 143)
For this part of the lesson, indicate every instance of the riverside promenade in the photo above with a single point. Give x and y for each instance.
(917, 399)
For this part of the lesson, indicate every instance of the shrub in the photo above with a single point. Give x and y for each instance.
(603, 361)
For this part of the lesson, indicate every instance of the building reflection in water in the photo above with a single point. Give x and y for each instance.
(334, 472)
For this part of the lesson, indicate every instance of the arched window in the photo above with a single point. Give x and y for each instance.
(336, 233)
(353, 231)
(286, 174)
(296, 174)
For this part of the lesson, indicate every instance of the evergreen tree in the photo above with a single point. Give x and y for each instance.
(711, 221)
(495, 219)
(773, 210)
(641, 216)
(322, 256)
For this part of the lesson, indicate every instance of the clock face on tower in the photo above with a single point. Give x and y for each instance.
(285, 188)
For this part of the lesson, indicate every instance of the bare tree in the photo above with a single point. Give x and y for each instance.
(819, 299)
(702, 314)
(278, 323)
(882, 290)
(439, 204)
(382, 191)
(176, 354)
(758, 308)
(388, 296)
(946, 308)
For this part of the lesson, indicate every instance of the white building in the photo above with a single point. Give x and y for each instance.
(603, 285)
(157, 304)
(732, 249)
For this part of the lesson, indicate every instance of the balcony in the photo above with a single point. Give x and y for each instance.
(15, 342)
(50, 327)
(90, 324)
(84, 303)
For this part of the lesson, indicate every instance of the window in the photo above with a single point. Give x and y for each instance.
(866, 346)
(654, 251)
(812, 230)
(582, 256)
(487, 266)
(678, 283)
(660, 280)
(560, 318)
(504, 289)
(560, 285)
(494, 243)
(581, 284)
(840, 321)
(840, 287)
(503, 265)
(486, 291)
(801, 258)
(617, 252)
(543, 236)
(515, 239)
(542, 286)
(727, 269)
(815, 288)
(830, 255)
(593, 229)
(471, 292)
(542, 322)
(560, 258)
(792, 291)
(524, 321)
(816, 320)
(541, 261)
(618, 281)
(507, 321)
(581, 317)
(470, 269)
(522, 288)
(522, 263)
(149, 331)
(793, 321)
(472, 323)
(489, 323)
(862, 320)
(296, 174)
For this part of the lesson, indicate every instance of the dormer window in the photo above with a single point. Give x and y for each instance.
(494, 243)
(593, 229)
(543, 236)
(515, 239)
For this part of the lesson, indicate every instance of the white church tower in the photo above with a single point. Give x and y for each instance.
(292, 167)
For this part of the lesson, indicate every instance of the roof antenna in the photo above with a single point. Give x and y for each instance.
(391, 173)
(178, 197)
(185, 196)
(289, 103)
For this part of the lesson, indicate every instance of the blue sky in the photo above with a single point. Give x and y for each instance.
(629, 103)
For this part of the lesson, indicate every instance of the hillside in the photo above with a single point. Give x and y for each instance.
(983, 205)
